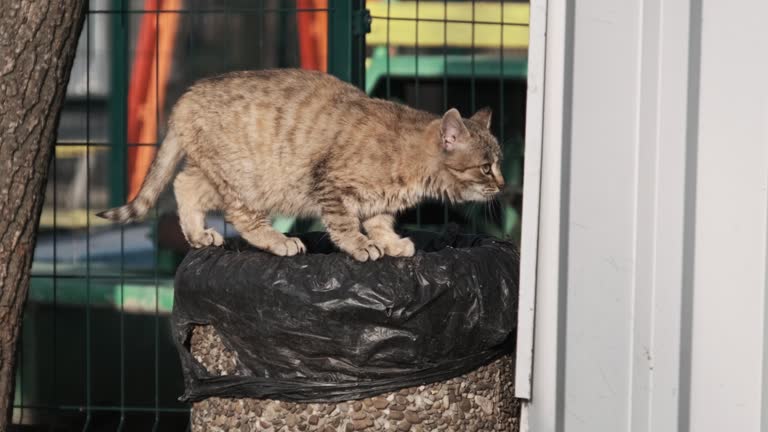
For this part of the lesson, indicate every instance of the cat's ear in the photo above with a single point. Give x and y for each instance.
(483, 116)
(451, 129)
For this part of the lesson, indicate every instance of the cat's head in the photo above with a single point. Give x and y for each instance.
(471, 155)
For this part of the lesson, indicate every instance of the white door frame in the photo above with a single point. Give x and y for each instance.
(540, 242)
(531, 193)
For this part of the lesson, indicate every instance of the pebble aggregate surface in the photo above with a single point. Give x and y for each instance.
(480, 401)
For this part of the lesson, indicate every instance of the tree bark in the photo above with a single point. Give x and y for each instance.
(38, 39)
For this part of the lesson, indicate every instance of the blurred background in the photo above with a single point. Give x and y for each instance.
(96, 352)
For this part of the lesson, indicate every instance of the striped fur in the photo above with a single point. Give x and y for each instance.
(160, 173)
(302, 143)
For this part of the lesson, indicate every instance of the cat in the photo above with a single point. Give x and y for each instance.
(306, 144)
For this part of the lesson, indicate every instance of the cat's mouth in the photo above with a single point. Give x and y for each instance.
(479, 193)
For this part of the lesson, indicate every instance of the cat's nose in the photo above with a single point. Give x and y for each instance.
(499, 182)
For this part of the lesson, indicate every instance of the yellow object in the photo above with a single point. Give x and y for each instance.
(70, 218)
(431, 34)
(72, 151)
(155, 97)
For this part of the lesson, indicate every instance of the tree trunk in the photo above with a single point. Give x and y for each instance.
(38, 39)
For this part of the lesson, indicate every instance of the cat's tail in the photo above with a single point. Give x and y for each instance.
(160, 173)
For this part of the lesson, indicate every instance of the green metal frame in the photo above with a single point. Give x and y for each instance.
(438, 66)
(119, 105)
(135, 294)
(348, 22)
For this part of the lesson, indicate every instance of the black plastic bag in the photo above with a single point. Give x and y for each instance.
(323, 327)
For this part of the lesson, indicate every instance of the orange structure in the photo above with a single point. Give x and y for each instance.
(313, 34)
(147, 88)
(152, 63)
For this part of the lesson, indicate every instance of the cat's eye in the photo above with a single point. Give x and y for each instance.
(486, 169)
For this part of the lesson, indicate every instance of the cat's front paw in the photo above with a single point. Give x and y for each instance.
(400, 248)
(289, 246)
(207, 237)
(366, 251)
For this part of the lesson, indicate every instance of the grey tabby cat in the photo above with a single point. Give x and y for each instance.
(305, 144)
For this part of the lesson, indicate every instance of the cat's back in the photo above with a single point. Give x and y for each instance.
(272, 87)
(267, 107)
(264, 129)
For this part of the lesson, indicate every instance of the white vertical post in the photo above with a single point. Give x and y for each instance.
(542, 269)
(531, 187)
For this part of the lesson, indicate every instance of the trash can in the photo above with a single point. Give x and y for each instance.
(321, 342)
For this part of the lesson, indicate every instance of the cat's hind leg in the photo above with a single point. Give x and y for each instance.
(252, 223)
(195, 195)
(257, 230)
(381, 230)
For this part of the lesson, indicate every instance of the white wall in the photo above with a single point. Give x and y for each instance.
(729, 274)
(653, 218)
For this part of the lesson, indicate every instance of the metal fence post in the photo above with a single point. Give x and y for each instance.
(348, 22)
(118, 106)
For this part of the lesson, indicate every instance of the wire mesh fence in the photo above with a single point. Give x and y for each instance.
(438, 55)
(96, 352)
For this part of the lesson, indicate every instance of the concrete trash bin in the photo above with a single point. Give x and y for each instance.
(321, 342)
(479, 401)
